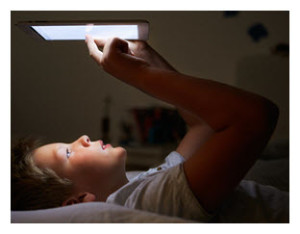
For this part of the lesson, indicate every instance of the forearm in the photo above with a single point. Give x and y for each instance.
(218, 105)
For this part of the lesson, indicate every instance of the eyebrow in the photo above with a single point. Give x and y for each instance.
(60, 146)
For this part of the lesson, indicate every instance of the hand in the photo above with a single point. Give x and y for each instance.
(116, 58)
(125, 59)
(142, 50)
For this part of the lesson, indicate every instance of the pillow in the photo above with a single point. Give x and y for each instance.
(91, 212)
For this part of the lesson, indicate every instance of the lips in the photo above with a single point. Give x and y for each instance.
(104, 146)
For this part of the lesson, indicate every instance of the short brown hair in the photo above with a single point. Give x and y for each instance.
(31, 187)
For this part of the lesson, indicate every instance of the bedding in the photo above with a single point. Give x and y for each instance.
(91, 212)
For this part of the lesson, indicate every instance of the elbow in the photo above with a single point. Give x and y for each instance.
(269, 114)
(273, 112)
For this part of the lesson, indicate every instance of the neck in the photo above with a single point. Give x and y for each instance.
(108, 189)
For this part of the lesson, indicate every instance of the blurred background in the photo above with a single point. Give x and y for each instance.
(59, 92)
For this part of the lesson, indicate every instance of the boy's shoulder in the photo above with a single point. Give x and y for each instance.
(163, 190)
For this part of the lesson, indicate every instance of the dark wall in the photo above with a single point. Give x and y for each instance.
(57, 91)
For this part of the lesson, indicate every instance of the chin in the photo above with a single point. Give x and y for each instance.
(121, 152)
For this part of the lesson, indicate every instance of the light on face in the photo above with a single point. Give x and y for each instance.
(78, 32)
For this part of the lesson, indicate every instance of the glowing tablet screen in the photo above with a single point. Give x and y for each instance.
(78, 32)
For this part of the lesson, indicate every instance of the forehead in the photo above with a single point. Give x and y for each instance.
(45, 156)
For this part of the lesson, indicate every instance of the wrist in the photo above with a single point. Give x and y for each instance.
(152, 79)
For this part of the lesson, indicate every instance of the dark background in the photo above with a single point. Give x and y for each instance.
(59, 92)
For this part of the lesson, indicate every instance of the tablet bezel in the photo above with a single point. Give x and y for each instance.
(143, 27)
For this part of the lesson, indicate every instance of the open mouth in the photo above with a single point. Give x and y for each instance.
(103, 146)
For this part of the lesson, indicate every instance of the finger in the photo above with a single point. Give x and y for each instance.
(122, 45)
(95, 53)
(100, 41)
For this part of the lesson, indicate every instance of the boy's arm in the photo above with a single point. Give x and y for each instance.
(198, 133)
(242, 122)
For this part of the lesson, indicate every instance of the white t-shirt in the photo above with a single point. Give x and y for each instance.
(165, 190)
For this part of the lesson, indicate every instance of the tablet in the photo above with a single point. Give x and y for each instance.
(64, 31)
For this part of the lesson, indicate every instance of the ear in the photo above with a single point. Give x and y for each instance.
(81, 197)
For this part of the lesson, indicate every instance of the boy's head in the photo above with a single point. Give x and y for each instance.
(31, 187)
(60, 174)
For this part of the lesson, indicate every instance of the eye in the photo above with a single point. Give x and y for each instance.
(68, 153)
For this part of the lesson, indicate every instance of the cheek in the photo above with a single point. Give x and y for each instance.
(84, 161)
(83, 169)
(89, 161)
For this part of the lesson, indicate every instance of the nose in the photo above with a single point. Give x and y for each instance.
(84, 141)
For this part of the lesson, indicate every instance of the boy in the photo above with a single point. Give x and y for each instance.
(228, 128)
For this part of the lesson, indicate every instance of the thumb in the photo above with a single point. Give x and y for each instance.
(118, 45)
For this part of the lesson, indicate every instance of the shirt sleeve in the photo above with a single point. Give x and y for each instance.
(172, 160)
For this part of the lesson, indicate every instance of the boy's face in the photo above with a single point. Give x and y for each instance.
(84, 162)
